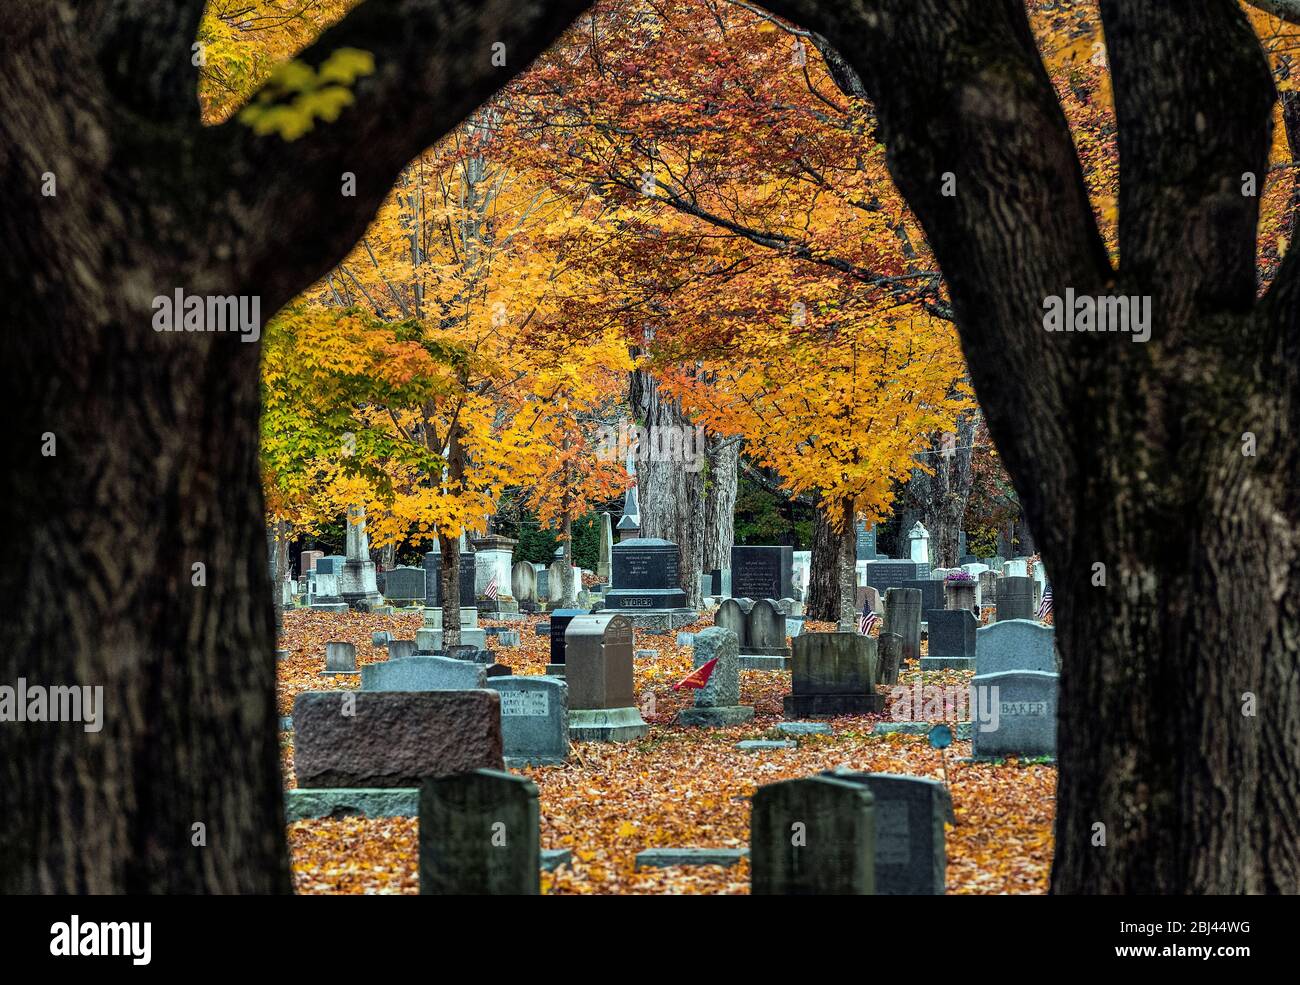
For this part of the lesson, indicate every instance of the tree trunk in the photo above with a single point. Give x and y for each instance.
(939, 497)
(846, 570)
(1178, 744)
(671, 496)
(825, 582)
(720, 478)
(567, 586)
(449, 572)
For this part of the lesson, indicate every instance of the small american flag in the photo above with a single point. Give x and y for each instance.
(868, 622)
(492, 592)
(1045, 605)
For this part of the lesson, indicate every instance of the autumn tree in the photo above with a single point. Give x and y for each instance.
(837, 404)
(1158, 477)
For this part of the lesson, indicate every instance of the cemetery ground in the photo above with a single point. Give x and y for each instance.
(677, 787)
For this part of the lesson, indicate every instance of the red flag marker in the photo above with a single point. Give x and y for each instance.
(698, 678)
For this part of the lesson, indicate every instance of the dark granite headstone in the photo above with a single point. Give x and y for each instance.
(762, 572)
(433, 579)
(832, 674)
(404, 584)
(910, 814)
(931, 590)
(479, 835)
(952, 640)
(884, 575)
(646, 576)
(813, 836)
(903, 617)
(866, 542)
(1015, 598)
(560, 620)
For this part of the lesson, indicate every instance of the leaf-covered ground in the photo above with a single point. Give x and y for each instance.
(678, 787)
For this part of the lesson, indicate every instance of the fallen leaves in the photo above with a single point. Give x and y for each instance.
(677, 787)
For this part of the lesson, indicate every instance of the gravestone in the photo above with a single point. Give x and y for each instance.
(555, 575)
(307, 562)
(813, 836)
(393, 738)
(918, 539)
(646, 576)
(718, 702)
(720, 586)
(1016, 598)
(560, 619)
(1019, 644)
(523, 585)
(765, 647)
(866, 547)
(340, 658)
(534, 719)
(868, 600)
(1026, 715)
(910, 812)
(404, 585)
(952, 640)
(903, 618)
(493, 562)
(357, 582)
(733, 614)
(889, 656)
(884, 575)
(423, 673)
(931, 592)
(989, 591)
(762, 572)
(802, 573)
(1016, 568)
(479, 835)
(399, 649)
(960, 594)
(832, 674)
(598, 669)
(433, 579)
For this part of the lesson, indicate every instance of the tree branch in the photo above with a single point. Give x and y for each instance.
(1186, 143)
(1288, 10)
(145, 54)
(283, 199)
(962, 100)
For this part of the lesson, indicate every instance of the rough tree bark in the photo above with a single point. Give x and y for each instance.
(1126, 455)
(824, 573)
(720, 478)
(156, 466)
(939, 497)
(671, 498)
